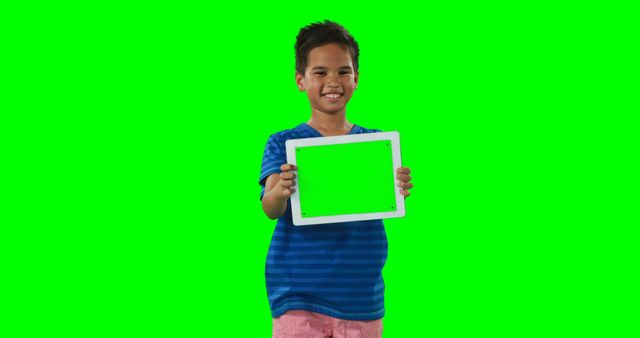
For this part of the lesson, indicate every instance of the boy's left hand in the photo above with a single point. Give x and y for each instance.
(403, 181)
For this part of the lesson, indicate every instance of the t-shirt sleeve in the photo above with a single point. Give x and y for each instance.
(273, 158)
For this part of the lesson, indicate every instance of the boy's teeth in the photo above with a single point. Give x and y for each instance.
(332, 96)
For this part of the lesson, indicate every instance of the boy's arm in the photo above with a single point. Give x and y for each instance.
(278, 188)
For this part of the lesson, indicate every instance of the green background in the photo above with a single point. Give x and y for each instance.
(132, 137)
(342, 179)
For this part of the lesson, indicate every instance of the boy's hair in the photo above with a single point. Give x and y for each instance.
(319, 34)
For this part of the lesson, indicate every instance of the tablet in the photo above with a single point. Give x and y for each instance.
(345, 178)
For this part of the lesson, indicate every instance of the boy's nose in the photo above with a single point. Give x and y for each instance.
(333, 83)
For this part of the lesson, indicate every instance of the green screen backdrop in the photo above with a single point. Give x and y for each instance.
(133, 133)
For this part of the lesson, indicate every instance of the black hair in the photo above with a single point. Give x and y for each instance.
(319, 34)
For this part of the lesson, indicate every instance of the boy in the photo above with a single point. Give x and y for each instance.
(322, 280)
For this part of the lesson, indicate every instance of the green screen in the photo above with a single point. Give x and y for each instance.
(133, 133)
(341, 179)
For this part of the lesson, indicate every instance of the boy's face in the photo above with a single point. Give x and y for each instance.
(329, 79)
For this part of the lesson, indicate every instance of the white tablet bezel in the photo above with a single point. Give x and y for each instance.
(393, 137)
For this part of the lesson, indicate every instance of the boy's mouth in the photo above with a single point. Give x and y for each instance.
(332, 96)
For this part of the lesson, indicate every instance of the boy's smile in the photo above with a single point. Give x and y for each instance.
(329, 79)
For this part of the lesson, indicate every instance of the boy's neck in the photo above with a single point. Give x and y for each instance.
(328, 124)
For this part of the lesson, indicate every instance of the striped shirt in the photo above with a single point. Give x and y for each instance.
(333, 269)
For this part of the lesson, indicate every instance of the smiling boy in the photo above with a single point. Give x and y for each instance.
(323, 280)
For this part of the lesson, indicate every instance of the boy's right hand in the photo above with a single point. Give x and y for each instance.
(285, 186)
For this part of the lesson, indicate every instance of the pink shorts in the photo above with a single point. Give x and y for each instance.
(307, 324)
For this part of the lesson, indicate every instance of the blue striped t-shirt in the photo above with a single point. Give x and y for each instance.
(333, 269)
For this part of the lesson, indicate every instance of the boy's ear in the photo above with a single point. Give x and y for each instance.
(300, 81)
(356, 77)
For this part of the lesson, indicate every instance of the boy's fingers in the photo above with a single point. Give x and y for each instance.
(287, 192)
(287, 167)
(287, 175)
(404, 170)
(403, 177)
(405, 185)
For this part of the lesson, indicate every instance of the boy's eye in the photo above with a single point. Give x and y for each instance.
(323, 73)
